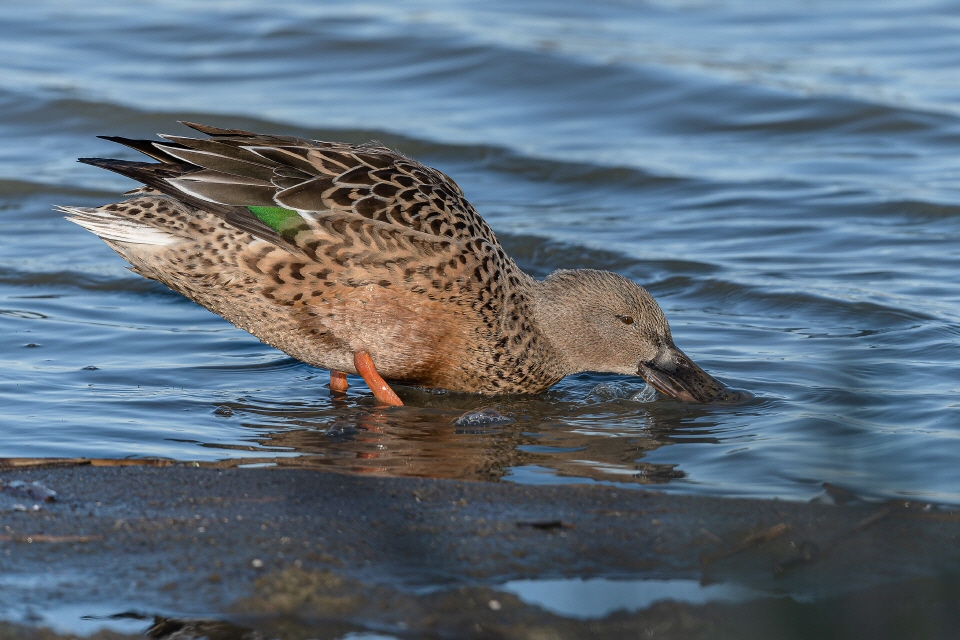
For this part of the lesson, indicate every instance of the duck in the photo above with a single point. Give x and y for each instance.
(360, 260)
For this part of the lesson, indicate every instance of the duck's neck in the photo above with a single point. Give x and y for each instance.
(561, 313)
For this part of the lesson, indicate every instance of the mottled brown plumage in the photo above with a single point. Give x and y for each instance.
(326, 250)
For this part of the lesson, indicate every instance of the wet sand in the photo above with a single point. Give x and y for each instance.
(268, 552)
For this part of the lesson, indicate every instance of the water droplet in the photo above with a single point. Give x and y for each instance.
(482, 418)
(647, 394)
(606, 391)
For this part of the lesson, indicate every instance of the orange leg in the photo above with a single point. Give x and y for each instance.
(338, 381)
(381, 390)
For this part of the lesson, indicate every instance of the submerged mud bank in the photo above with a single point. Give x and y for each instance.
(300, 553)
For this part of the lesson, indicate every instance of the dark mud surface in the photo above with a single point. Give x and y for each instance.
(291, 553)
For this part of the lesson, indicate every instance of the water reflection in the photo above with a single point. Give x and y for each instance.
(604, 436)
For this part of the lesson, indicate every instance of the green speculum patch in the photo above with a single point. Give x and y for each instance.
(273, 217)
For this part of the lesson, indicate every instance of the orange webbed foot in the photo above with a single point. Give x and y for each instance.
(381, 390)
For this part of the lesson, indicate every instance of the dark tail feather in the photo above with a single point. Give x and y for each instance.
(148, 147)
(246, 137)
(149, 173)
(156, 175)
(217, 131)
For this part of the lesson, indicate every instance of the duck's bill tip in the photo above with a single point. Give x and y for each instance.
(677, 376)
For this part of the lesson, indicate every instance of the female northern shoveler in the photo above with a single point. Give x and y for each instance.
(355, 258)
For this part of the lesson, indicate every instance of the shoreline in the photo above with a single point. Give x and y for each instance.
(267, 548)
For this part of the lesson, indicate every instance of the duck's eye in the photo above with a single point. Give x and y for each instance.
(625, 319)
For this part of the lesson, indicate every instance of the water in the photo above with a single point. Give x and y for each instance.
(598, 597)
(784, 178)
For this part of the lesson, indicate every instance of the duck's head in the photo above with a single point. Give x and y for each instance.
(601, 321)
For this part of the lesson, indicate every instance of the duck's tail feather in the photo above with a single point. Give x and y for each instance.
(116, 228)
(147, 147)
(159, 177)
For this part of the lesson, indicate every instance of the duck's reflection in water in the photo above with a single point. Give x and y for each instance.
(542, 440)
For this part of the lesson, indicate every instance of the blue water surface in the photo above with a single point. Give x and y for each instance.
(783, 177)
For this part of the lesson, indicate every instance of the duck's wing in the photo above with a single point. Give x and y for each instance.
(372, 213)
(237, 170)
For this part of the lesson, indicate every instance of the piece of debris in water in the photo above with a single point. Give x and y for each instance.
(30, 490)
